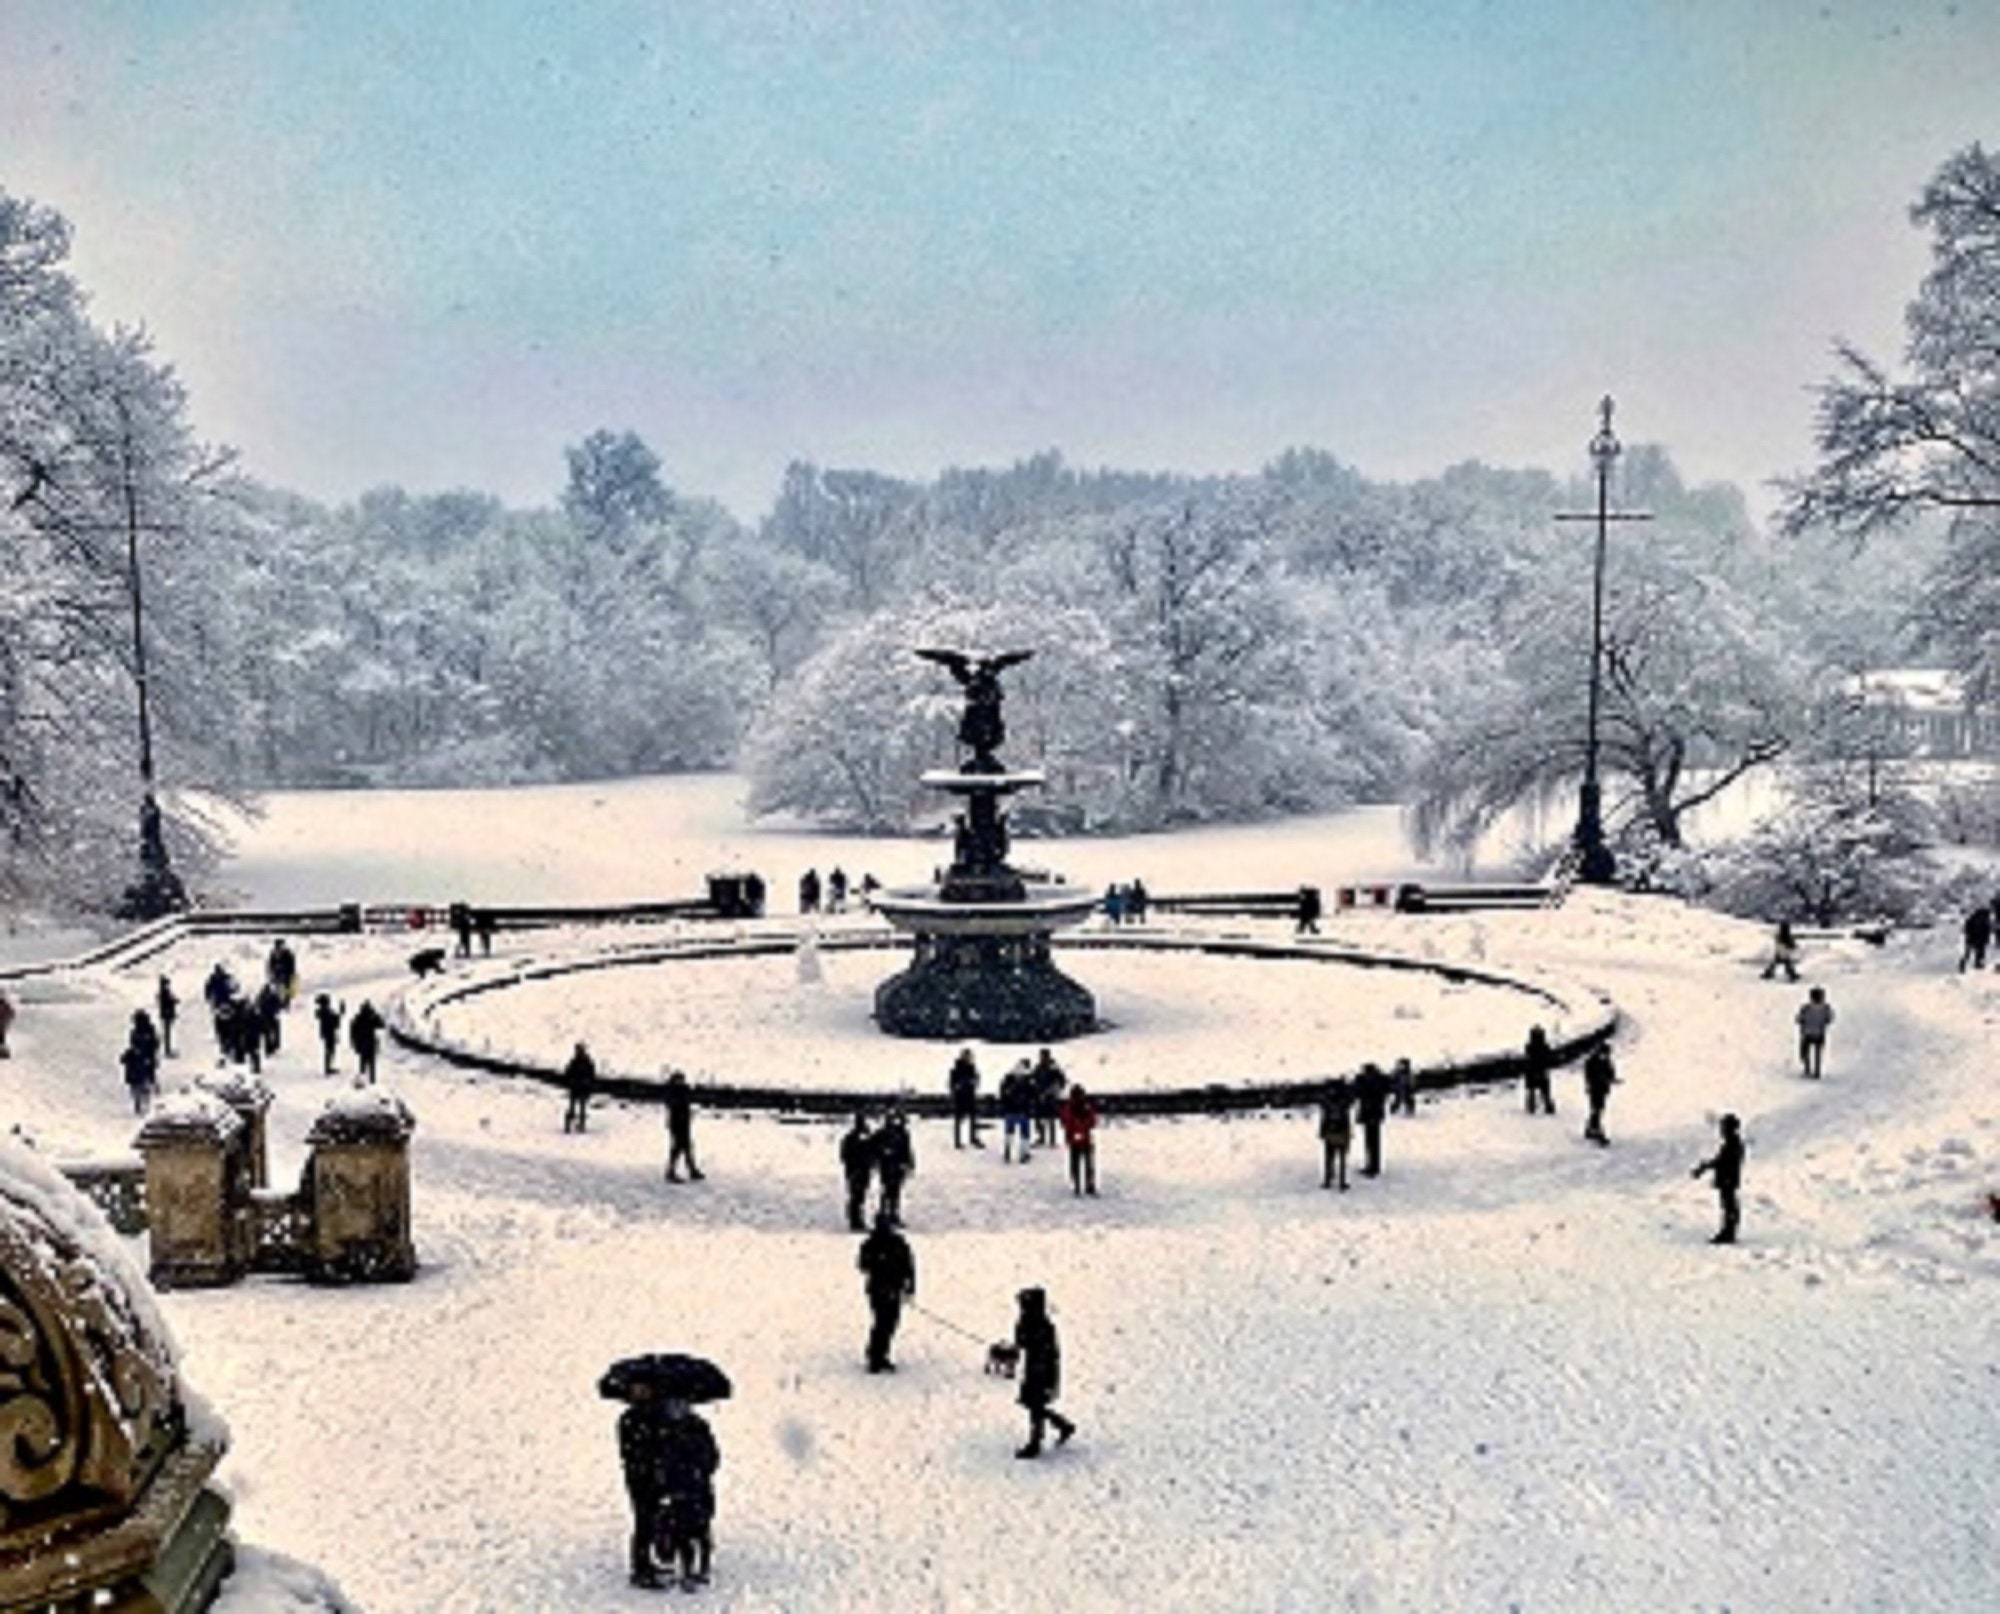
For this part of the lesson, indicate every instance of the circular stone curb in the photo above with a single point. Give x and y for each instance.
(1583, 1017)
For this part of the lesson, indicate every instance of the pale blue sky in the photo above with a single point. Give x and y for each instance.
(431, 243)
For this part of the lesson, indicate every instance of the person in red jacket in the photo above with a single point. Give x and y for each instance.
(1078, 1115)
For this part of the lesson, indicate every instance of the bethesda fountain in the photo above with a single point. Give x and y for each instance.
(982, 966)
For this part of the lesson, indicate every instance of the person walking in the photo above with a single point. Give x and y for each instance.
(857, 1165)
(963, 1084)
(1371, 1103)
(169, 1007)
(1784, 953)
(141, 1061)
(1599, 1076)
(1015, 1099)
(327, 1015)
(1308, 912)
(1814, 1016)
(888, 1277)
(1079, 1116)
(1036, 1339)
(895, 1161)
(680, 1129)
(579, 1078)
(364, 1035)
(1046, 1082)
(1538, 1063)
(1336, 1132)
(1402, 1088)
(1725, 1166)
(1978, 931)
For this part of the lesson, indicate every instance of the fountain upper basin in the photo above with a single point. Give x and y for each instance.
(1044, 908)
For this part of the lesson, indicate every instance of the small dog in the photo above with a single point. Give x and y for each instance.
(1002, 1359)
(427, 961)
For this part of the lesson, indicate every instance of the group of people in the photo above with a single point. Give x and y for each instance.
(830, 897)
(884, 1156)
(467, 922)
(1367, 1098)
(580, 1083)
(249, 1025)
(1126, 904)
(1035, 1101)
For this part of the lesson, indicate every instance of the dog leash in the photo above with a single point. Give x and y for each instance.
(946, 1322)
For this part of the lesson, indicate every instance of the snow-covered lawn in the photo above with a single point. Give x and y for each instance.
(1509, 1373)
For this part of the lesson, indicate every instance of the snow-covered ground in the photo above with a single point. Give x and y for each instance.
(1509, 1373)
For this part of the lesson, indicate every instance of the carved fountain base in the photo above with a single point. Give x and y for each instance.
(998, 988)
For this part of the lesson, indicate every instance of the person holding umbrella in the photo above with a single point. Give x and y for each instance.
(669, 1456)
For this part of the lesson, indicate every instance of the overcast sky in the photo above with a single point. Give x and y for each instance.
(432, 243)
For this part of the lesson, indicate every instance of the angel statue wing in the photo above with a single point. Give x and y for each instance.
(957, 664)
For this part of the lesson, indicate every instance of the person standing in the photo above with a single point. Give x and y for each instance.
(460, 914)
(327, 1015)
(895, 1160)
(141, 1061)
(6, 1024)
(1814, 1016)
(1041, 1371)
(1538, 1062)
(1726, 1168)
(1015, 1098)
(1310, 907)
(687, 1460)
(1371, 1103)
(364, 1034)
(1079, 1116)
(1336, 1132)
(639, 1439)
(1784, 953)
(281, 970)
(888, 1277)
(579, 1078)
(1046, 1082)
(170, 1007)
(1599, 1076)
(963, 1084)
(836, 890)
(680, 1129)
(1402, 1088)
(1978, 938)
(809, 891)
(269, 1011)
(857, 1165)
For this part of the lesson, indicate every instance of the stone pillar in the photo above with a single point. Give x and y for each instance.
(251, 1100)
(104, 1495)
(357, 1189)
(197, 1191)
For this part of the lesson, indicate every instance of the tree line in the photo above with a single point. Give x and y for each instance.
(1206, 647)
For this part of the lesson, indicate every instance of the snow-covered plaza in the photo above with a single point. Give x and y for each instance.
(1509, 1373)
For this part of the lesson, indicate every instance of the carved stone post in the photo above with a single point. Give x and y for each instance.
(357, 1185)
(197, 1191)
(251, 1100)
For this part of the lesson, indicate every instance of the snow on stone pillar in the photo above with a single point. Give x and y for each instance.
(251, 1100)
(104, 1498)
(357, 1185)
(197, 1190)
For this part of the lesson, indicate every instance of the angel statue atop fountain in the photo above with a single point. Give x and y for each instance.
(981, 727)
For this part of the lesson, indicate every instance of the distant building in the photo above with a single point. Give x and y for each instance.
(1929, 709)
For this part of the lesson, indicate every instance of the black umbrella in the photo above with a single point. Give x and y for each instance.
(671, 1376)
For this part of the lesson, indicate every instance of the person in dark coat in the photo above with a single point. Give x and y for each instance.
(1726, 1166)
(1016, 1101)
(1978, 938)
(1041, 1371)
(1599, 1076)
(639, 1427)
(6, 1024)
(240, 1033)
(1136, 899)
(1046, 1082)
(364, 1035)
(1371, 1104)
(141, 1061)
(809, 891)
(579, 1079)
(1784, 953)
(680, 1129)
(169, 1006)
(836, 890)
(281, 970)
(269, 1010)
(857, 1165)
(687, 1458)
(1309, 910)
(460, 915)
(963, 1083)
(888, 1277)
(327, 1015)
(1336, 1132)
(482, 923)
(218, 988)
(895, 1160)
(1078, 1114)
(1814, 1016)
(1402, 1088)
(1538, 1063)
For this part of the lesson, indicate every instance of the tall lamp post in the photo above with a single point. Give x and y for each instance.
(158, 889)
(1595, 863)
